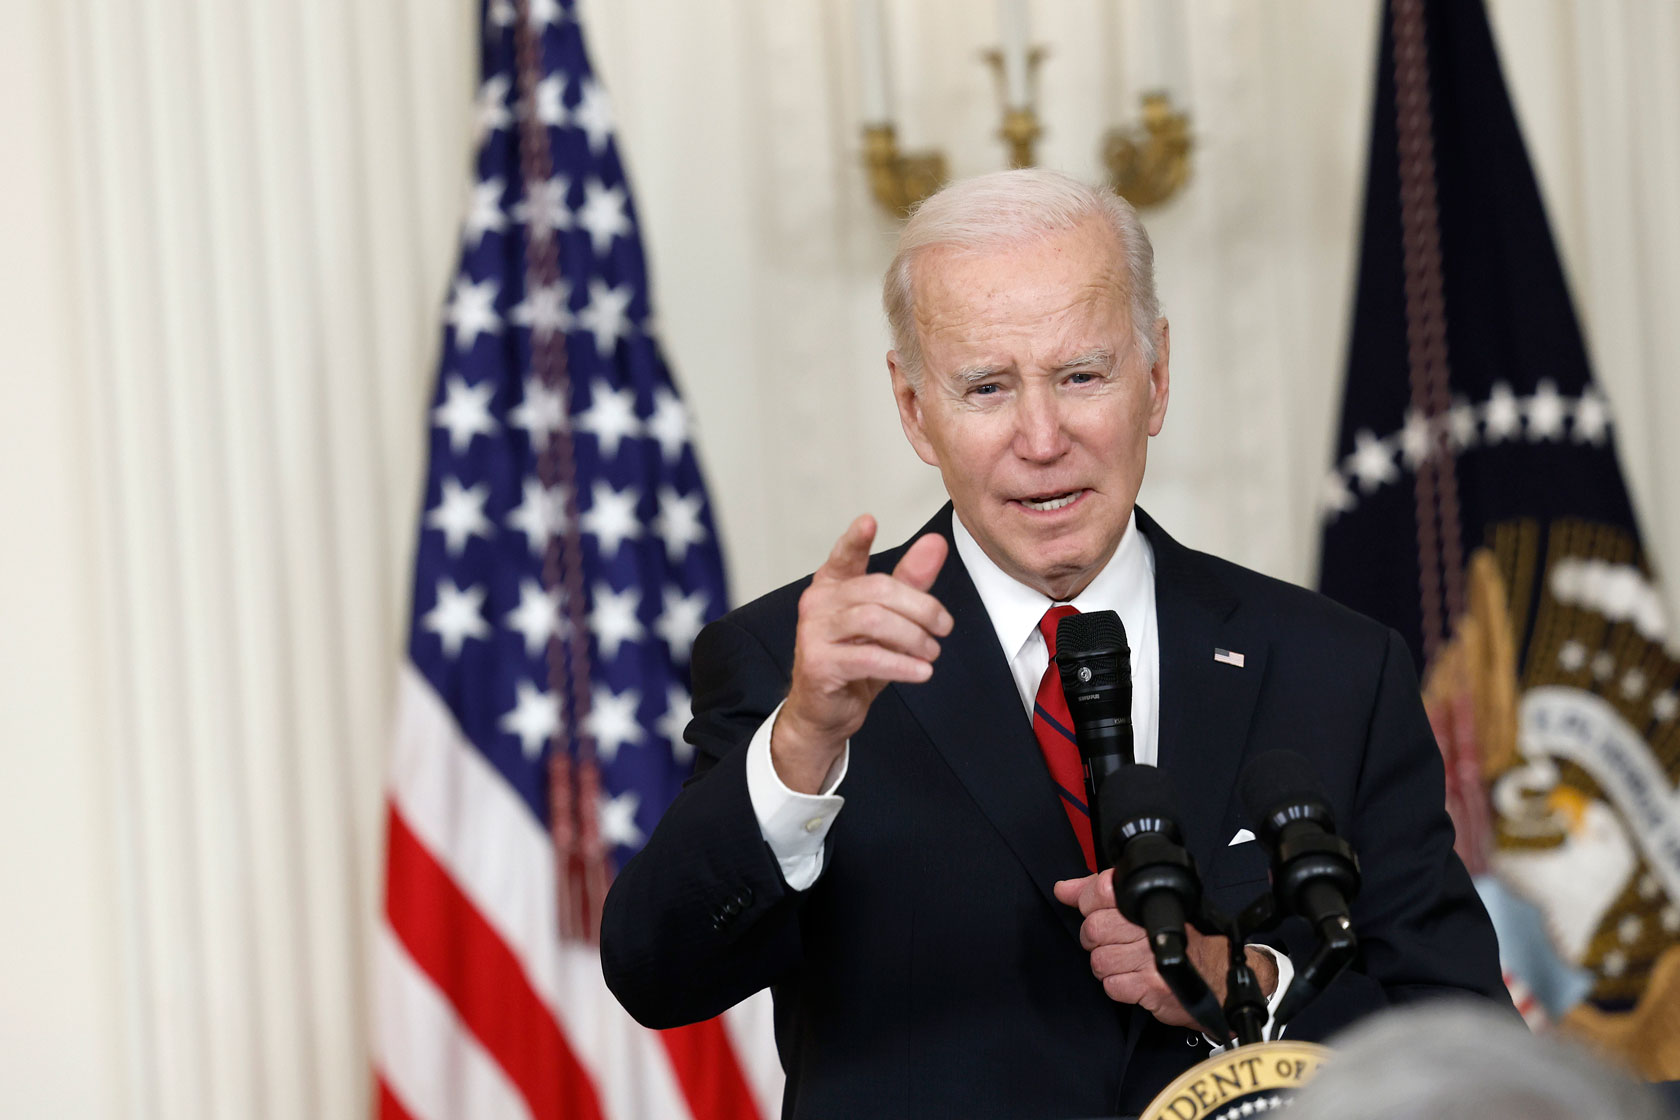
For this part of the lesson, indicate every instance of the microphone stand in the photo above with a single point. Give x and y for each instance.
(1245, 1003)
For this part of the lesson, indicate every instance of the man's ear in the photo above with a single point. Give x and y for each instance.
(1159, 382)
(910, 410)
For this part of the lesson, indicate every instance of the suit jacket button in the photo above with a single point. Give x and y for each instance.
(744, 898)
(1193, 1039)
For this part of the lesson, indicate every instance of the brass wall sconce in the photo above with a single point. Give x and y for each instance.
(1148, 162)
(897, 179)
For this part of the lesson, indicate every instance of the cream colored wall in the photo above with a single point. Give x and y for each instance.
(228, 227)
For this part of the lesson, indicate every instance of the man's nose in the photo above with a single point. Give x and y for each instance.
(1040, 428)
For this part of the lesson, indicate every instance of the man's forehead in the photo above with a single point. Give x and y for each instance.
(1082, 263)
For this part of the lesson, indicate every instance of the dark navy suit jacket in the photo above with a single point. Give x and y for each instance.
(930, 971)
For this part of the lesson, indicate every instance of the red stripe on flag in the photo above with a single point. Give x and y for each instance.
(388, 1106)
(709, 1073)
(482, 980)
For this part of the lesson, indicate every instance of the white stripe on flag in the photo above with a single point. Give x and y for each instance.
(484, 836)
(478, 829)
(430, 1062)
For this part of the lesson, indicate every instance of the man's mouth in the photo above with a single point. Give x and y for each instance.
(1048, 502)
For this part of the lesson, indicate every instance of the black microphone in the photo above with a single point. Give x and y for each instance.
(1155, 880)
(1315, 872)
(1096, 670)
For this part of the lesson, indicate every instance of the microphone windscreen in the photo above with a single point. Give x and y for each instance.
(1277, 779)
(1091, 632)
(1135, 791)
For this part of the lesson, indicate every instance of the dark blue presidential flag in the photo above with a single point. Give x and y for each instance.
(566, 560)
(1476, 505)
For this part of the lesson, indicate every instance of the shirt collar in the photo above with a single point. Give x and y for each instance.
(1126, 585)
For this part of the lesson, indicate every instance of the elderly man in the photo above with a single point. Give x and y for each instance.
(884, 827)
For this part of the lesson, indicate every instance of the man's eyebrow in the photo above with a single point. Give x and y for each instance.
(971, 375)
(1100, 358)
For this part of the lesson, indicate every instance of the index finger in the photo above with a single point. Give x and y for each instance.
(921, 562)
(850, 554)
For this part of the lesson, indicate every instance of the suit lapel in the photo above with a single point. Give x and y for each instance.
(971, 711)
(1206, 705)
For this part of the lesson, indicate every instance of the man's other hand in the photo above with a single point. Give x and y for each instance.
(1122, 961)
(857, 632)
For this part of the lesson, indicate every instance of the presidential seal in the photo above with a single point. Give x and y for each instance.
(1239, 1084)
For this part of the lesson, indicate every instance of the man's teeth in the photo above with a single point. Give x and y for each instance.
(1048, 504)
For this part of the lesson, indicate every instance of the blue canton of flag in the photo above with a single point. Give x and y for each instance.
(616, 513)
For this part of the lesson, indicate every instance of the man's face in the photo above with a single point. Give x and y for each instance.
(1034, 403)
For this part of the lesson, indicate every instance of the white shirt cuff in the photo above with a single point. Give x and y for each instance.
(1285, 975)
(794, 824)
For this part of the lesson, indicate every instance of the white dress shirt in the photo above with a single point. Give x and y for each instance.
(795, 824)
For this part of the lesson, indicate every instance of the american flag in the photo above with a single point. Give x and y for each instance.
(566, 561)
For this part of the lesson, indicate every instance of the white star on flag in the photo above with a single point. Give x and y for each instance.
(465, 412)
(593, 114)
(613, 619)
(502, 13)
(1546, 412)
(551, 110)
(540, 514)
(1592, 417)
(545, 209)
(678, 711)
(491, 112)
(545, 12)
(612, 720)
(533, 719)
(1371, 461)
(457, 616)
(681, 622)
(1334, 497)
(618, 818)
(1416, 439)
(1501, 415)
(612, 518)
(459, 514)
(484, 212)
(537, 616)
(602, 214)
(472, 311)
(540, 414)
(611, 417)
(678, 522)
(606, 316)
(543, 311)
(668, 424)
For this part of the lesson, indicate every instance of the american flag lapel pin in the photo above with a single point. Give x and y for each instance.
(1227, 657)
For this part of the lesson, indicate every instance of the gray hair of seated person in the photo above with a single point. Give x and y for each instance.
(1451, 1058)
(990, 212)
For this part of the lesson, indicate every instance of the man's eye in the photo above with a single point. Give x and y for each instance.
(985, 390)
(1082, 378)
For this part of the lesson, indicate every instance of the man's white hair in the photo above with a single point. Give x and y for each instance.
(1452, 1060)
(992, 211)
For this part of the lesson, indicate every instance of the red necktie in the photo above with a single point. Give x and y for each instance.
(1054, 728)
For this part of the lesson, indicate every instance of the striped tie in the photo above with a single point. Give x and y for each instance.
(1054, 728)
